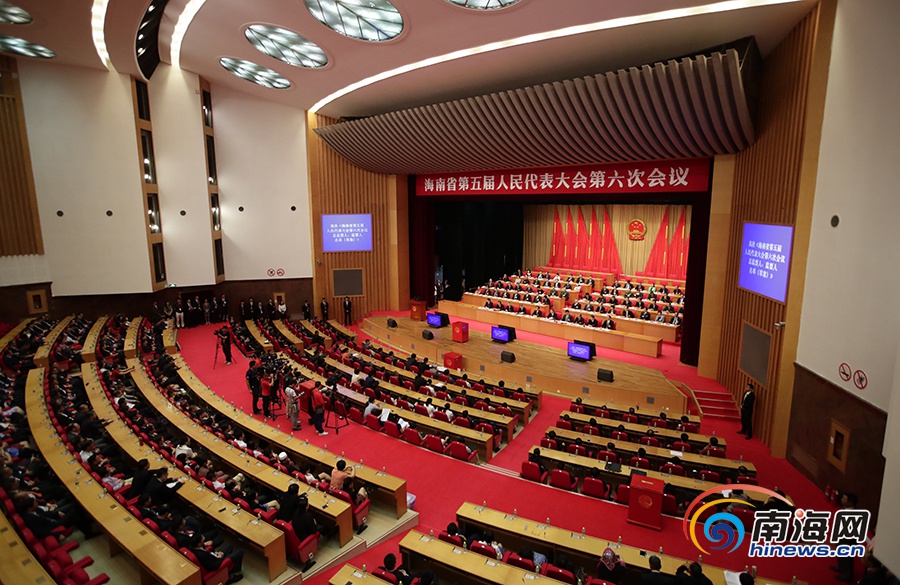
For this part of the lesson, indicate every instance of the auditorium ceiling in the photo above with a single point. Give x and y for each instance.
(423, 52)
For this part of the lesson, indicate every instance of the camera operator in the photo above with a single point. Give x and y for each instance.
(225, 337)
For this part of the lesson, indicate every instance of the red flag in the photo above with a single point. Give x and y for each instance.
(656, 263)
(677, 260)
(611, 261)
(596, 257)
(558, 243)
(571, 241)
(583, 251)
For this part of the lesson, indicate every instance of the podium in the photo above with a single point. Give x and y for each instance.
(645, 501)
(417, 310)
(452, 360)
(460, 331)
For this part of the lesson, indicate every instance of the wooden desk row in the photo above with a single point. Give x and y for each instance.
(390, 488)
(523, 409)
(132, 337)
(289, 335)
(590, 406)
(505, 422)
(42, 355)
(478, 440)
(157, 560)
(89, 350)
(326, 508)
(582, 287)
(619, 340)
(476, 299)
(263, 536)
(14, 332)
(603, 277)
(258, 335)
(666, 331)
(313, 332)
(18, 566)
(636, 430)
(170, 337)
(517, 533)
(342, 330)
(659, 455)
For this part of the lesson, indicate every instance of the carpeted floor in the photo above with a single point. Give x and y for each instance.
(441, 484)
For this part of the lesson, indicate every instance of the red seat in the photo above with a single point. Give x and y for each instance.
(420, 409)
(441, 415)
(355, 415)
(602, 413)
(746, 516)
(591, 430)
(620, 436)
(591, 486)
(411, 436)
(623, 494)
(670, 505)
(480, 405)
(559, 574)
(672, 469)
(690, 427)
(458, 450)
(299, 551)
(548, 443)
(373, 423)
(649, 441)
(607, 456)
(630, 418)
(576, 408)
(433, 443)
(681, 446)
(462, 422)
(597, 581)
(746, 479)
(564, 424)
(532, 471)
(217, 577)
(384, 575)
(709, 475)
(577, 450)
(451, 538)
(483, 549)
(360, 510)
(714, 451)
(639, 462)
(517, 561)
(563, 479)
(487, 428)
(659, 423)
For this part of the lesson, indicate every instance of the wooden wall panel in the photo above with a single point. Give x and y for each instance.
(338, 186)
(20, 227)
(771, 180)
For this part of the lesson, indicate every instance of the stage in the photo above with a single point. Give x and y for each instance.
(536, 366)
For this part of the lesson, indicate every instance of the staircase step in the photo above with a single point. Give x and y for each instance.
(712, 394)
(735, 418)
(714, 401)
(720, 411)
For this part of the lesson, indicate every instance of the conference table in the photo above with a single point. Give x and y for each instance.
(517, 533)
(89, 349)
(42, 355)
(580, 287)
(258, 335)
(132, 337)
(14, 332)
(660, 455)
(350, 335)
(646, 416)
(313, 332)
(389, 488)
(522, 408)
(689, 487)
(635, 430)
(288, 334)
(505, 422)
(18, 566)
(599, 277)
(157, 560)
(619, 340)
(350, 575)
(323, 506)
(651, 328)
(170, 337)
(261, 535)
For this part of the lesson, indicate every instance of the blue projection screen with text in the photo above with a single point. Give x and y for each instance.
(766, 259)
(347, 233)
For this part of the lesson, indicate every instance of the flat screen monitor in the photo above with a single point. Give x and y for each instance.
(347, 233)
(437, 319)
(590, 344)
(500, 334)
(579, 351)
(766, 259)
(511, 330)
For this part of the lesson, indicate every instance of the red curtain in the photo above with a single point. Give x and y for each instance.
(678, 251)
(611, 262)
(596, 256)
(657, 265)
(556, 249)
(583, 250)
(571, 241)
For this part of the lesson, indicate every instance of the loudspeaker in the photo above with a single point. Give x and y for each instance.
(604, 375)
(426, 334)
(391, 323)
(508, 357)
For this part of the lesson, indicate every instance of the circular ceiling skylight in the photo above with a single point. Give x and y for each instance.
(10, 14)
(22, 47)
(483, 4)
(368, 20)
(255, 73)
(286, 45)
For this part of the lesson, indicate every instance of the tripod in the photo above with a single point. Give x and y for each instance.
(218, 345)
(335, 421)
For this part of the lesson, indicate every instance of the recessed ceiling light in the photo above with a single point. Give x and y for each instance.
(150, 9)
(367, 20)
(10, 14)
(24, 48)
(286, 46)
(255, 73)
(483, 4)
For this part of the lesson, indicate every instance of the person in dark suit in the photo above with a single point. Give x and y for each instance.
(747, 403)
(348, 312)
(691, 574)
(324, 306)
(307, 311)
(608, 323)
(655, 576)
(645, 315)
(254, 384)
(212, 560)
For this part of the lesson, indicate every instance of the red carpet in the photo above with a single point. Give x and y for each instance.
(441, 484)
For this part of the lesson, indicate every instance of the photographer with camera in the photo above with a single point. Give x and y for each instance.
(224, 337)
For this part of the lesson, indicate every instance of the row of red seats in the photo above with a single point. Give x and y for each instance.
(627, 417)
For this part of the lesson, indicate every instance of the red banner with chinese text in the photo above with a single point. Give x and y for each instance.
(680, 176)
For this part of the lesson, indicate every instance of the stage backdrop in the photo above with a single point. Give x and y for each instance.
(606, 238)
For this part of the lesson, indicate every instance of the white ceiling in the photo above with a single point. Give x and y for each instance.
(431, 28)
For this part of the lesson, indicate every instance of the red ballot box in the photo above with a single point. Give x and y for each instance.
(645, 501)
(303, 392)
(452, 360)
(461, 331)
